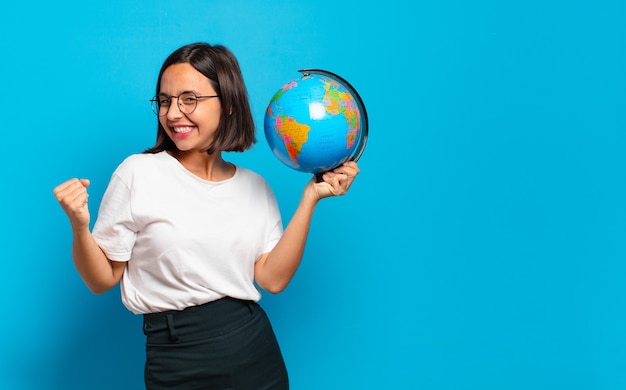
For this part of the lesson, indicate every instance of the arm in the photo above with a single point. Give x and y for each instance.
(275, 269)
(98, 272)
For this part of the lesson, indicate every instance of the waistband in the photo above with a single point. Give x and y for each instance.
(198, 322)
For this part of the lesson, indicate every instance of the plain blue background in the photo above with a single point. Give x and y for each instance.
(482, 246)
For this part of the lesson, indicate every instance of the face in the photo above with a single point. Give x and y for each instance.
(195, 131)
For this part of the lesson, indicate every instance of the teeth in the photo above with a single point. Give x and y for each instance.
(182, 129)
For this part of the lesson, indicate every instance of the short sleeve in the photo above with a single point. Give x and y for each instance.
(114, 230)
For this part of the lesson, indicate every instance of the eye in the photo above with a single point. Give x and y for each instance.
(188, 99)
(164, 102)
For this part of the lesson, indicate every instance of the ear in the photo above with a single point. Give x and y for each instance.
(230, 112)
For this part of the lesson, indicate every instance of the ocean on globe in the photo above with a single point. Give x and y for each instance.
(316, 122)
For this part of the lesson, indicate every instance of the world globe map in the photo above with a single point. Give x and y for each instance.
(316, 122)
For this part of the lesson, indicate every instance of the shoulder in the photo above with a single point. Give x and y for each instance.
(139, 162)
(250, 176)
(140, 167)
(254, 185)
(140, 159)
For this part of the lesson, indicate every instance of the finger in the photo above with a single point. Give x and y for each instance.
(337, 182)
(349, 168)
(71, 184)
(352, 163)
(80, 198)
(71, 194)
(70, 190)
(61, 188)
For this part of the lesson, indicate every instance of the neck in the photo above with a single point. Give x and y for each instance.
(206, 166)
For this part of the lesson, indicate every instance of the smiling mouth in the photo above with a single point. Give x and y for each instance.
(182, 130)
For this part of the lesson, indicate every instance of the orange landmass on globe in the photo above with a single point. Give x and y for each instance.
(293, 134)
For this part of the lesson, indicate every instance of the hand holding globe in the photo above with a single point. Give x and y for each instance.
(316, 123)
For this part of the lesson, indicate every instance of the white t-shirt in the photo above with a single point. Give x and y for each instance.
(187, 241)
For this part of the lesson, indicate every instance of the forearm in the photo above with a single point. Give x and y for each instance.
(274, 272)
(91, 263)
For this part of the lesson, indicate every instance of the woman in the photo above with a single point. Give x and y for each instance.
(189, 234)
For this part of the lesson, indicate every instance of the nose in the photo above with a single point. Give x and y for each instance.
(174, 111)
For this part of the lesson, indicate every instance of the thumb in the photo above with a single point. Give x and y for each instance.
(85, 182)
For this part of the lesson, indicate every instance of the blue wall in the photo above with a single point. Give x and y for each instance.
(482, 247)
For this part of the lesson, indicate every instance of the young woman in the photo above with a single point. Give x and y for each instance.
(188, 234)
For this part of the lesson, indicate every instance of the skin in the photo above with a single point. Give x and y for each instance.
(275, 269)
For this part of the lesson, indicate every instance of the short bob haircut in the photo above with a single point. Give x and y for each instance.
(235, 132)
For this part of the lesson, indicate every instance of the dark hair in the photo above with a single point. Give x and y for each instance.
(235, 132)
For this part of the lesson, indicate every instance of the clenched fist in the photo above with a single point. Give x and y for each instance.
(72, 196)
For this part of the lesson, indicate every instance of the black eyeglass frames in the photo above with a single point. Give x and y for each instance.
(187, 103)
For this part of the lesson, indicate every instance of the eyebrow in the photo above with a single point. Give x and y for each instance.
(187, 91)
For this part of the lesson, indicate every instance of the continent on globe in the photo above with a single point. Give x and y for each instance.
(342, 103)
(294, 135)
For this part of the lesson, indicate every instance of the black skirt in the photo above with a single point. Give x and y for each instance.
(226, 344)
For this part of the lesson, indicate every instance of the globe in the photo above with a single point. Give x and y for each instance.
(316, 122)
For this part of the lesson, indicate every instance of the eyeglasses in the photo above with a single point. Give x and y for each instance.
(187, 102)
